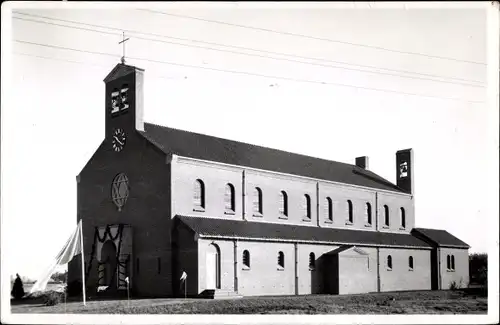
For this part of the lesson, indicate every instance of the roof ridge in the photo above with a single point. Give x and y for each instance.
(255, 145)
(234, 152)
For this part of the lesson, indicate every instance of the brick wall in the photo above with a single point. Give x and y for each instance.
(146, 209)
(400, 277)
(461, 272)
(215, 177)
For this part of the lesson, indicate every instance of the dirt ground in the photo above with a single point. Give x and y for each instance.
(414, 302)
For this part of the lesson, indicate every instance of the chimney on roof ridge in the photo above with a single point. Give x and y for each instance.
(362, 162)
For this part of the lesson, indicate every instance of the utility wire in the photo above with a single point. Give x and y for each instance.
(235, 47)
(248, 73)
(85, 63)
(312, 37)
(254, 55)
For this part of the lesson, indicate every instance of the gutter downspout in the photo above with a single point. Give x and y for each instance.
(243, 206)
(296, 268)
(235, 265)
(378, 248)
(317, 204)
(438, 255)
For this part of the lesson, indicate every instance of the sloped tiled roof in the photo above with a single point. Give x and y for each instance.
(200, 146)
(214, 227)
(440, 238)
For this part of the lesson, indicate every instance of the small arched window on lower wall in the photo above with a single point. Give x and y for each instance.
(452, 263)
(448, 262)
(246, 259)
(281, 261)
(389, 263)
(410, 263)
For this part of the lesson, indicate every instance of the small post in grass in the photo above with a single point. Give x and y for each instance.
(184, 280)
(128, 292)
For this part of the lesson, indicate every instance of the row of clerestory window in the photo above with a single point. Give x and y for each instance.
(257, 205)
(280, 260)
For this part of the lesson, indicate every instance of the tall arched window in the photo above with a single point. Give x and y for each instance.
(199, 194)
(312, 261)
(246, 258)
(386, 216)
(350, 216)
(452, 262)
(329, 209)
(368, 213)
(281, 260)
(283, 204)
(307, 206)
(403, 217)
(257, 200)
(410, 262)
(229, 198)
(389, 262)
(448, 262)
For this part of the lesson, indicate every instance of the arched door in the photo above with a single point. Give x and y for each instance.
(108, 255)
(213, 267)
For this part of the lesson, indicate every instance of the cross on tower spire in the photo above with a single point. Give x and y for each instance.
(123, 42)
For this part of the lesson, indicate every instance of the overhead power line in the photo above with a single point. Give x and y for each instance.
(254, 55)
(84, 63)
(128, 31)
(248, 73)
(312, 37)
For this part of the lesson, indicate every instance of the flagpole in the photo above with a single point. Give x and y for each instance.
(83, 261)
(185, 286)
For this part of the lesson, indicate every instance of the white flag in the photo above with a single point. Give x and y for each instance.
(184, 276)
(72, 248)
(126, 279)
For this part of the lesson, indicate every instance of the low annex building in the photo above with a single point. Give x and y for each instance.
(240, 219)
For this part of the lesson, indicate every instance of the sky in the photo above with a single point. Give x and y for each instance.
(319, 80)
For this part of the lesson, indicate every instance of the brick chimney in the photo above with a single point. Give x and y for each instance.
(362, 162)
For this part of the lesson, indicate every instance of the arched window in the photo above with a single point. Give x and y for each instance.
(283, 204)
(329, 209)
(307, 206)
(229, 198)
(199, 194)
(403, 217)
(448, 262)
(312, 261)
(246, 258)
(368, 213)
(410, 262)
(453, 262)
(257, 200)
(350, 216)
(386, 216)
(389, 262)
(281, 260)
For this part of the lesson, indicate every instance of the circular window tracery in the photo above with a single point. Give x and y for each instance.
(120, 190)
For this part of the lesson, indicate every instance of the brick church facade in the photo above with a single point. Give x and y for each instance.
(245, 220)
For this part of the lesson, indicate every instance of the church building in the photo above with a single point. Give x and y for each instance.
(157, 204)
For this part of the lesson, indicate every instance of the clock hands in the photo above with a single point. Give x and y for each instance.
(117, 140)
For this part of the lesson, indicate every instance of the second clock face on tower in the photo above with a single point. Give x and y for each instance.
(119, 139)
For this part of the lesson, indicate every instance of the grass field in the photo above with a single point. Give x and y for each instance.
(416, 302)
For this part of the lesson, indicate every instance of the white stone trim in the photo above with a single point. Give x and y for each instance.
(207, 163)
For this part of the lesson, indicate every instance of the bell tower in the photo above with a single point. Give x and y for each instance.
(124, 103)
(405, 171)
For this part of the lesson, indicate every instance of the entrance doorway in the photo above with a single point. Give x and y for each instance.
(108, 255)
(213, 267)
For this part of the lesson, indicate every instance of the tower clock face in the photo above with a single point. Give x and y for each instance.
(119, 139)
